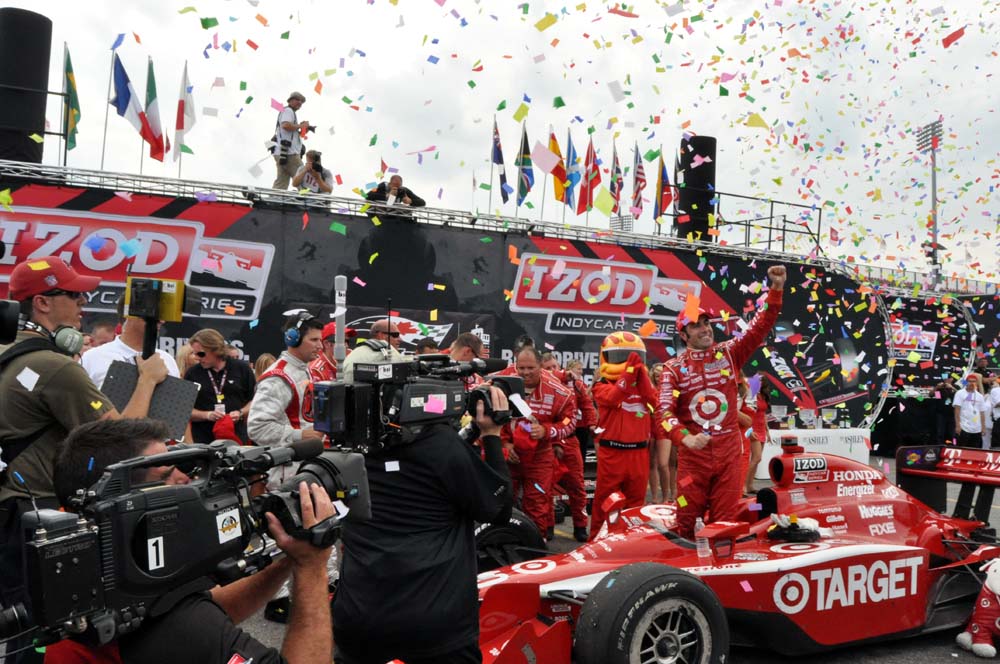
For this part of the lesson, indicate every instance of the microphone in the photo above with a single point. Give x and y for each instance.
(306, 449)
(489, 365)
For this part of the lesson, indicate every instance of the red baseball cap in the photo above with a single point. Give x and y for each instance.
(683, 319)
(44, 274)
(330, 329)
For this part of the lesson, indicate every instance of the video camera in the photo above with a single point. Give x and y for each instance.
(9, 312)
(156, 300)
(390, 404)
(133, 550)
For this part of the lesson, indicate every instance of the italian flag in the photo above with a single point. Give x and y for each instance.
(155, 140)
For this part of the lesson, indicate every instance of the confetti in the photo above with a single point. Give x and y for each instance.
(28, 378)
(745, 585)
(682, 501)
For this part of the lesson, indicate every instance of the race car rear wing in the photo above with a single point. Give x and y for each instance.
(925, 471)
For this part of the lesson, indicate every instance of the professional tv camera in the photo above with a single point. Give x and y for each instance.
(134, 550)
(389, 404)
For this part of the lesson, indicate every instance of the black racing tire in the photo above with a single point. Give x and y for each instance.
(503, 544)
(648, 613)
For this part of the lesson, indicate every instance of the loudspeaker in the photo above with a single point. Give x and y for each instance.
(25, 45)
(695, 178)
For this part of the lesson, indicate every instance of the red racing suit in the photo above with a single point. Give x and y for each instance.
(698, 395)
(571, 481)
(322, 368)
(624, 409)
(554, 407)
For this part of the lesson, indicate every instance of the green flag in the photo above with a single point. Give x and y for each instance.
(72, 105)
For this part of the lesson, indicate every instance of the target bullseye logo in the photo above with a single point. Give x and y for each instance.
(706, 408)
(534, 567)
(791, 593)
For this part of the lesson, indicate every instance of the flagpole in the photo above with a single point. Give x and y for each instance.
(520, 169)
(107, 107)
(545, 184)
(489, 205)
(568, 179)
(63, 117)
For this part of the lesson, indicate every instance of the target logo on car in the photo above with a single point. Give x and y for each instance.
(829, 588)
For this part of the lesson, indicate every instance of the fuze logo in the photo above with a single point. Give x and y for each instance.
(857, 584)
(551, 283)
(856, 475)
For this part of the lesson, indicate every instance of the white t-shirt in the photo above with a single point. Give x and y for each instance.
(993, 403)
(96, 361)
(287, 115)
(309, 181)
(970, 413)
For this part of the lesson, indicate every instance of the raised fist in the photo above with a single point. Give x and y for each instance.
(776, 275)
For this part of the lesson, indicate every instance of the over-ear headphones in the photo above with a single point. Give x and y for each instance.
(68, 340)
(293, 335)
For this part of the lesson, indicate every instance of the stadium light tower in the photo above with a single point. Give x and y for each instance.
(929, 139)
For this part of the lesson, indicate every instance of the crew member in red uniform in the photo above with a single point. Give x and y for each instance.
(626, 401)
(567, 451)
(529, 442)
(324, 367)
(698, 390)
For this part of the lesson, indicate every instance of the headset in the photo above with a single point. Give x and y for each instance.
(293, 335)
(68, 340)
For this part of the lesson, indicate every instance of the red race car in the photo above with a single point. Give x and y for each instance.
(853, 558)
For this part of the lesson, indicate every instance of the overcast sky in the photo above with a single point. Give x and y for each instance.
(840, 88)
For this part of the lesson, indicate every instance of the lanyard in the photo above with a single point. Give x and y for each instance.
(218, 388)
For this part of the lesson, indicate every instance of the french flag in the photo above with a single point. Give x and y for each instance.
(127, 104)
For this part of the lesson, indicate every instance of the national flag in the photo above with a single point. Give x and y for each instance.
(638, 184)
(498, 160)
(525, 173)
(617, 181)
(153, 115)
(384, 166)
(559, 172)
(185, 116)
(589, 181)
(572, 172)
(127, 104)
(71, 111)
(664, 192)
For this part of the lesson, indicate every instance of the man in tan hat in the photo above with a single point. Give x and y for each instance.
(287, 148)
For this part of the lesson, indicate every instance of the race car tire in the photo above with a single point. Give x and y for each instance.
(647, 613)
(503, 544)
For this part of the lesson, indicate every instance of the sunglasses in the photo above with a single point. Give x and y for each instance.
(394, 335)
(73, 295)
(199, 353)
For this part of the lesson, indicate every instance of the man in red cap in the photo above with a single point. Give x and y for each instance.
(324, 367)
(699, 414)
(44, 394)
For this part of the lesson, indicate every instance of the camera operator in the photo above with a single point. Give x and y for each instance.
(202, 627)
(287, 140)
(43, 395)
(408, 579)
(312, 176)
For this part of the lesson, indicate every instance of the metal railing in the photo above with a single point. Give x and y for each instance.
(750, 226)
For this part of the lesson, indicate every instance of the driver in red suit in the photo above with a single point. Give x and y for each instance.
(529, 442)
(698, 411)
(626, 399)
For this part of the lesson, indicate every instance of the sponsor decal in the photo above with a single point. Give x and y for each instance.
(875, 511)
(228, 525)
(797, 496)
(750, 556)
(891, 492)
(597, 297)
(930, 456)
(855, 490)
(706, 408)
(912, 338)
(856, 475)
(887, 528)
(801, 547)
(810, 469)
(829, 510)
(835, 518)
(826, 589)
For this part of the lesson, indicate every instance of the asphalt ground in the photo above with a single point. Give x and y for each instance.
(927, 649)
